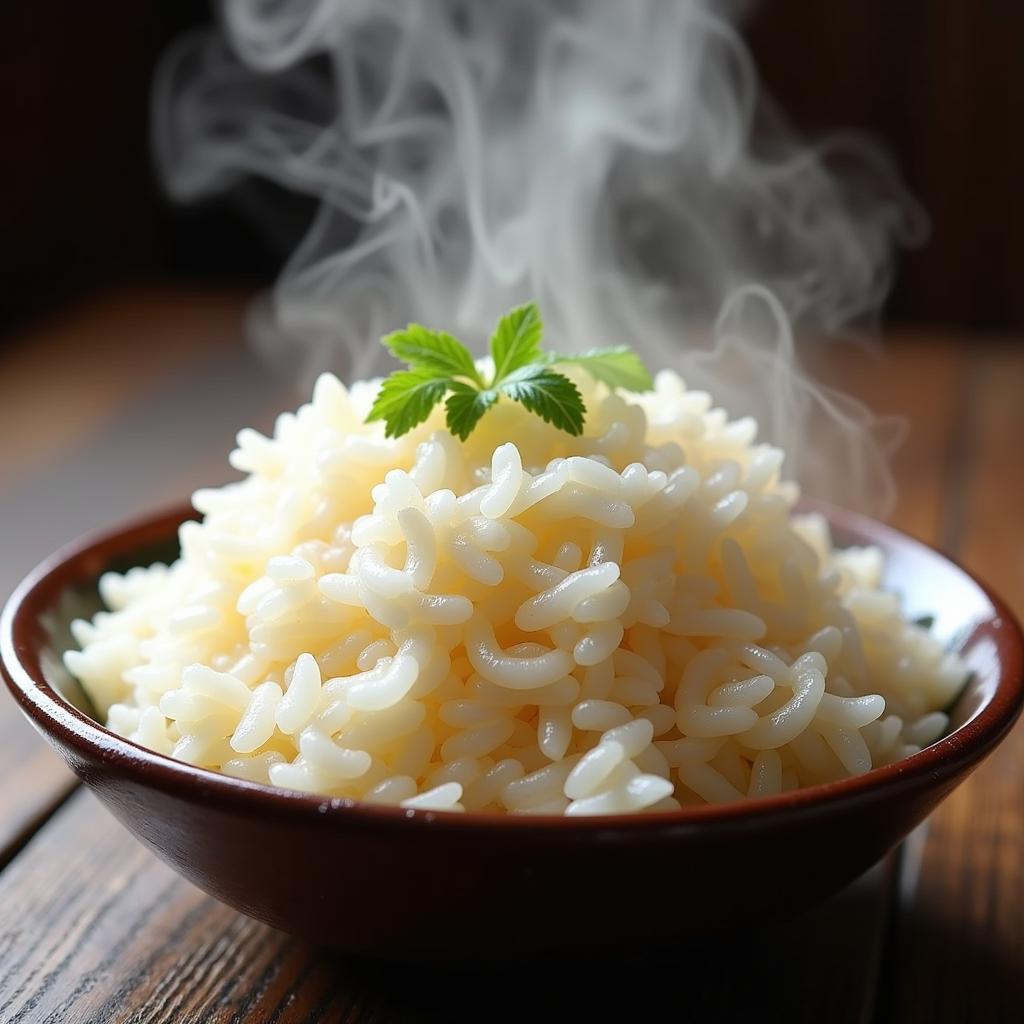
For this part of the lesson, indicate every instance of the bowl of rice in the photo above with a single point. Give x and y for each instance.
(515, 695)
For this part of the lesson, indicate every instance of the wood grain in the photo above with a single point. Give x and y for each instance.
(33, 783)
(125, 939)
(962, 944)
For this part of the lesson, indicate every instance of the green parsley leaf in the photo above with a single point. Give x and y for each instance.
(406, 398)
(550, 395)
(618, 367)
(464, 407)
(516, 340)
(440, 365)
(436, 351)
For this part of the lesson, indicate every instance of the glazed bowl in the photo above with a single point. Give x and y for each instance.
(455, 888)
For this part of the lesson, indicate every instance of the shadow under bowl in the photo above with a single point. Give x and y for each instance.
(448, 888)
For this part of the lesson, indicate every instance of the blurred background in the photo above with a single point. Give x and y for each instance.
(937, 81)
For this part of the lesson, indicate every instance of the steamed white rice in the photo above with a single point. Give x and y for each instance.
(526, 622)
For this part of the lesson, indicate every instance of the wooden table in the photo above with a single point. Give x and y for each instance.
(132, 399)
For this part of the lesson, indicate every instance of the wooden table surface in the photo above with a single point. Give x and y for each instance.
(132, 398)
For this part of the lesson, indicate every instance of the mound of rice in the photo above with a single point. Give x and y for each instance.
(526, 622)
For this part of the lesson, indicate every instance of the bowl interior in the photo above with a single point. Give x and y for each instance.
(80, 599)
(962, 614)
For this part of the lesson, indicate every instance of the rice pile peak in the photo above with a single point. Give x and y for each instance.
(529, 620)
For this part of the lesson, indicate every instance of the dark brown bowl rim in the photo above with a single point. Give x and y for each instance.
(53, 715)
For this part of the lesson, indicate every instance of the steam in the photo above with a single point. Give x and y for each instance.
(614, 160)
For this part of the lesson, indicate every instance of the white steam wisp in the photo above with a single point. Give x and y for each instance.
(613, 160)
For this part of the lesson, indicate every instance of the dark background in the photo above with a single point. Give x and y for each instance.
(940, 82)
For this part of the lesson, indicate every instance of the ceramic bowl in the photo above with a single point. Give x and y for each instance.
(445, 888)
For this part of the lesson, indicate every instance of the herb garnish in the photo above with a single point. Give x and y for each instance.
(440, 365)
